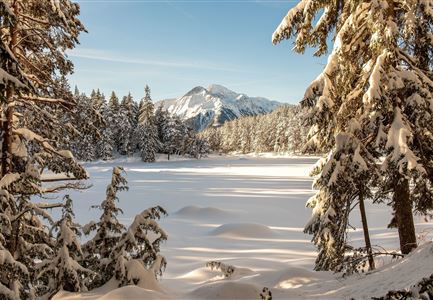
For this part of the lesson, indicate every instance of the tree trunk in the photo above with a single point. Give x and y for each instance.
(6, 160)
(401, 197)
(404, 216)
(7, 138)
(366, 233)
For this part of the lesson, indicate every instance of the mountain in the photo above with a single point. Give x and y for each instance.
(215, 105)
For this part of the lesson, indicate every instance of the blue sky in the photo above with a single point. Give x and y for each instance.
(174, 46)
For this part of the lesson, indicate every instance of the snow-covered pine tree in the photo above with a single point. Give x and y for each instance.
(146, 134)
(63, 271)
(113, 102)
(343, 178)
(137, 254)
(114, 120)
(128, 120)
(15, 281)
(128, 256)
(98, 100)
(198, 147)
(36, 41)
(88, 121)
(297, 131)
(15, 278)
(108, 230)
(147, 108)
(105, 144)
(378, 75)
(212, 137)
(172, 136)
(161, 119)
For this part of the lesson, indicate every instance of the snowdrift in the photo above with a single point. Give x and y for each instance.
(243, 230)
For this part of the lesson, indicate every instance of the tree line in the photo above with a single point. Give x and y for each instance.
(126, 127)
(281, 131)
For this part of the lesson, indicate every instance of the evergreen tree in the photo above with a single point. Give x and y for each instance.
(98, 100)
(108, 229)
(114, 120)
(34, 37)
(135, 249)
(147, 133)
(375, 77)
(14, 276)
(128, 120)
(146, 112)
(198, 147)
(105, 145)
(125, 255)
(63, 271)
(89, 123)
(172, 136)
(113, 102)
(161, 120)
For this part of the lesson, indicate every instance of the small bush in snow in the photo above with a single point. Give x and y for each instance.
(227, 270)
(266, 294)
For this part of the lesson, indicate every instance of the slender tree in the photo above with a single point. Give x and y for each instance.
(147, 132)
(108, 230)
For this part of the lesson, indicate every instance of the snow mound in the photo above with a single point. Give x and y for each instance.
(132, 292)
(226, 290)
(201, 212)
(247, 230)
(294, 277)
(206, 275)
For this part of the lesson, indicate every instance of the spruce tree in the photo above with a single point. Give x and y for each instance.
(127, 255)
(106, 143)
(15, 280)
(172, 136)
(114, 120)
(113, 102)
(64, 271)
(128, 120)
(375, 77)
(146, 134)
(135, 248)
(108, 229)
(88, 120)
(34, 37)
(161, 120)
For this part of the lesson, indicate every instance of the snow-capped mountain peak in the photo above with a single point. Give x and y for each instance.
(216, 89)
(213, 106)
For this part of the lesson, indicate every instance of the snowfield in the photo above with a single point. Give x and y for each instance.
(248, 212)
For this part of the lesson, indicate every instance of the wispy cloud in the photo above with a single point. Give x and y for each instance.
(97, 54)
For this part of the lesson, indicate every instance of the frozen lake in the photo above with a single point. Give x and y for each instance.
(245, 211)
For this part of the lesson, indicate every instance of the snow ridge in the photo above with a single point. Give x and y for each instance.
(215, 105)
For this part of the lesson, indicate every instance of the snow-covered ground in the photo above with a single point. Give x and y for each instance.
(248, 212)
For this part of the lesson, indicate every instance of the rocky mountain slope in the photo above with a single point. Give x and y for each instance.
(215, 105)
